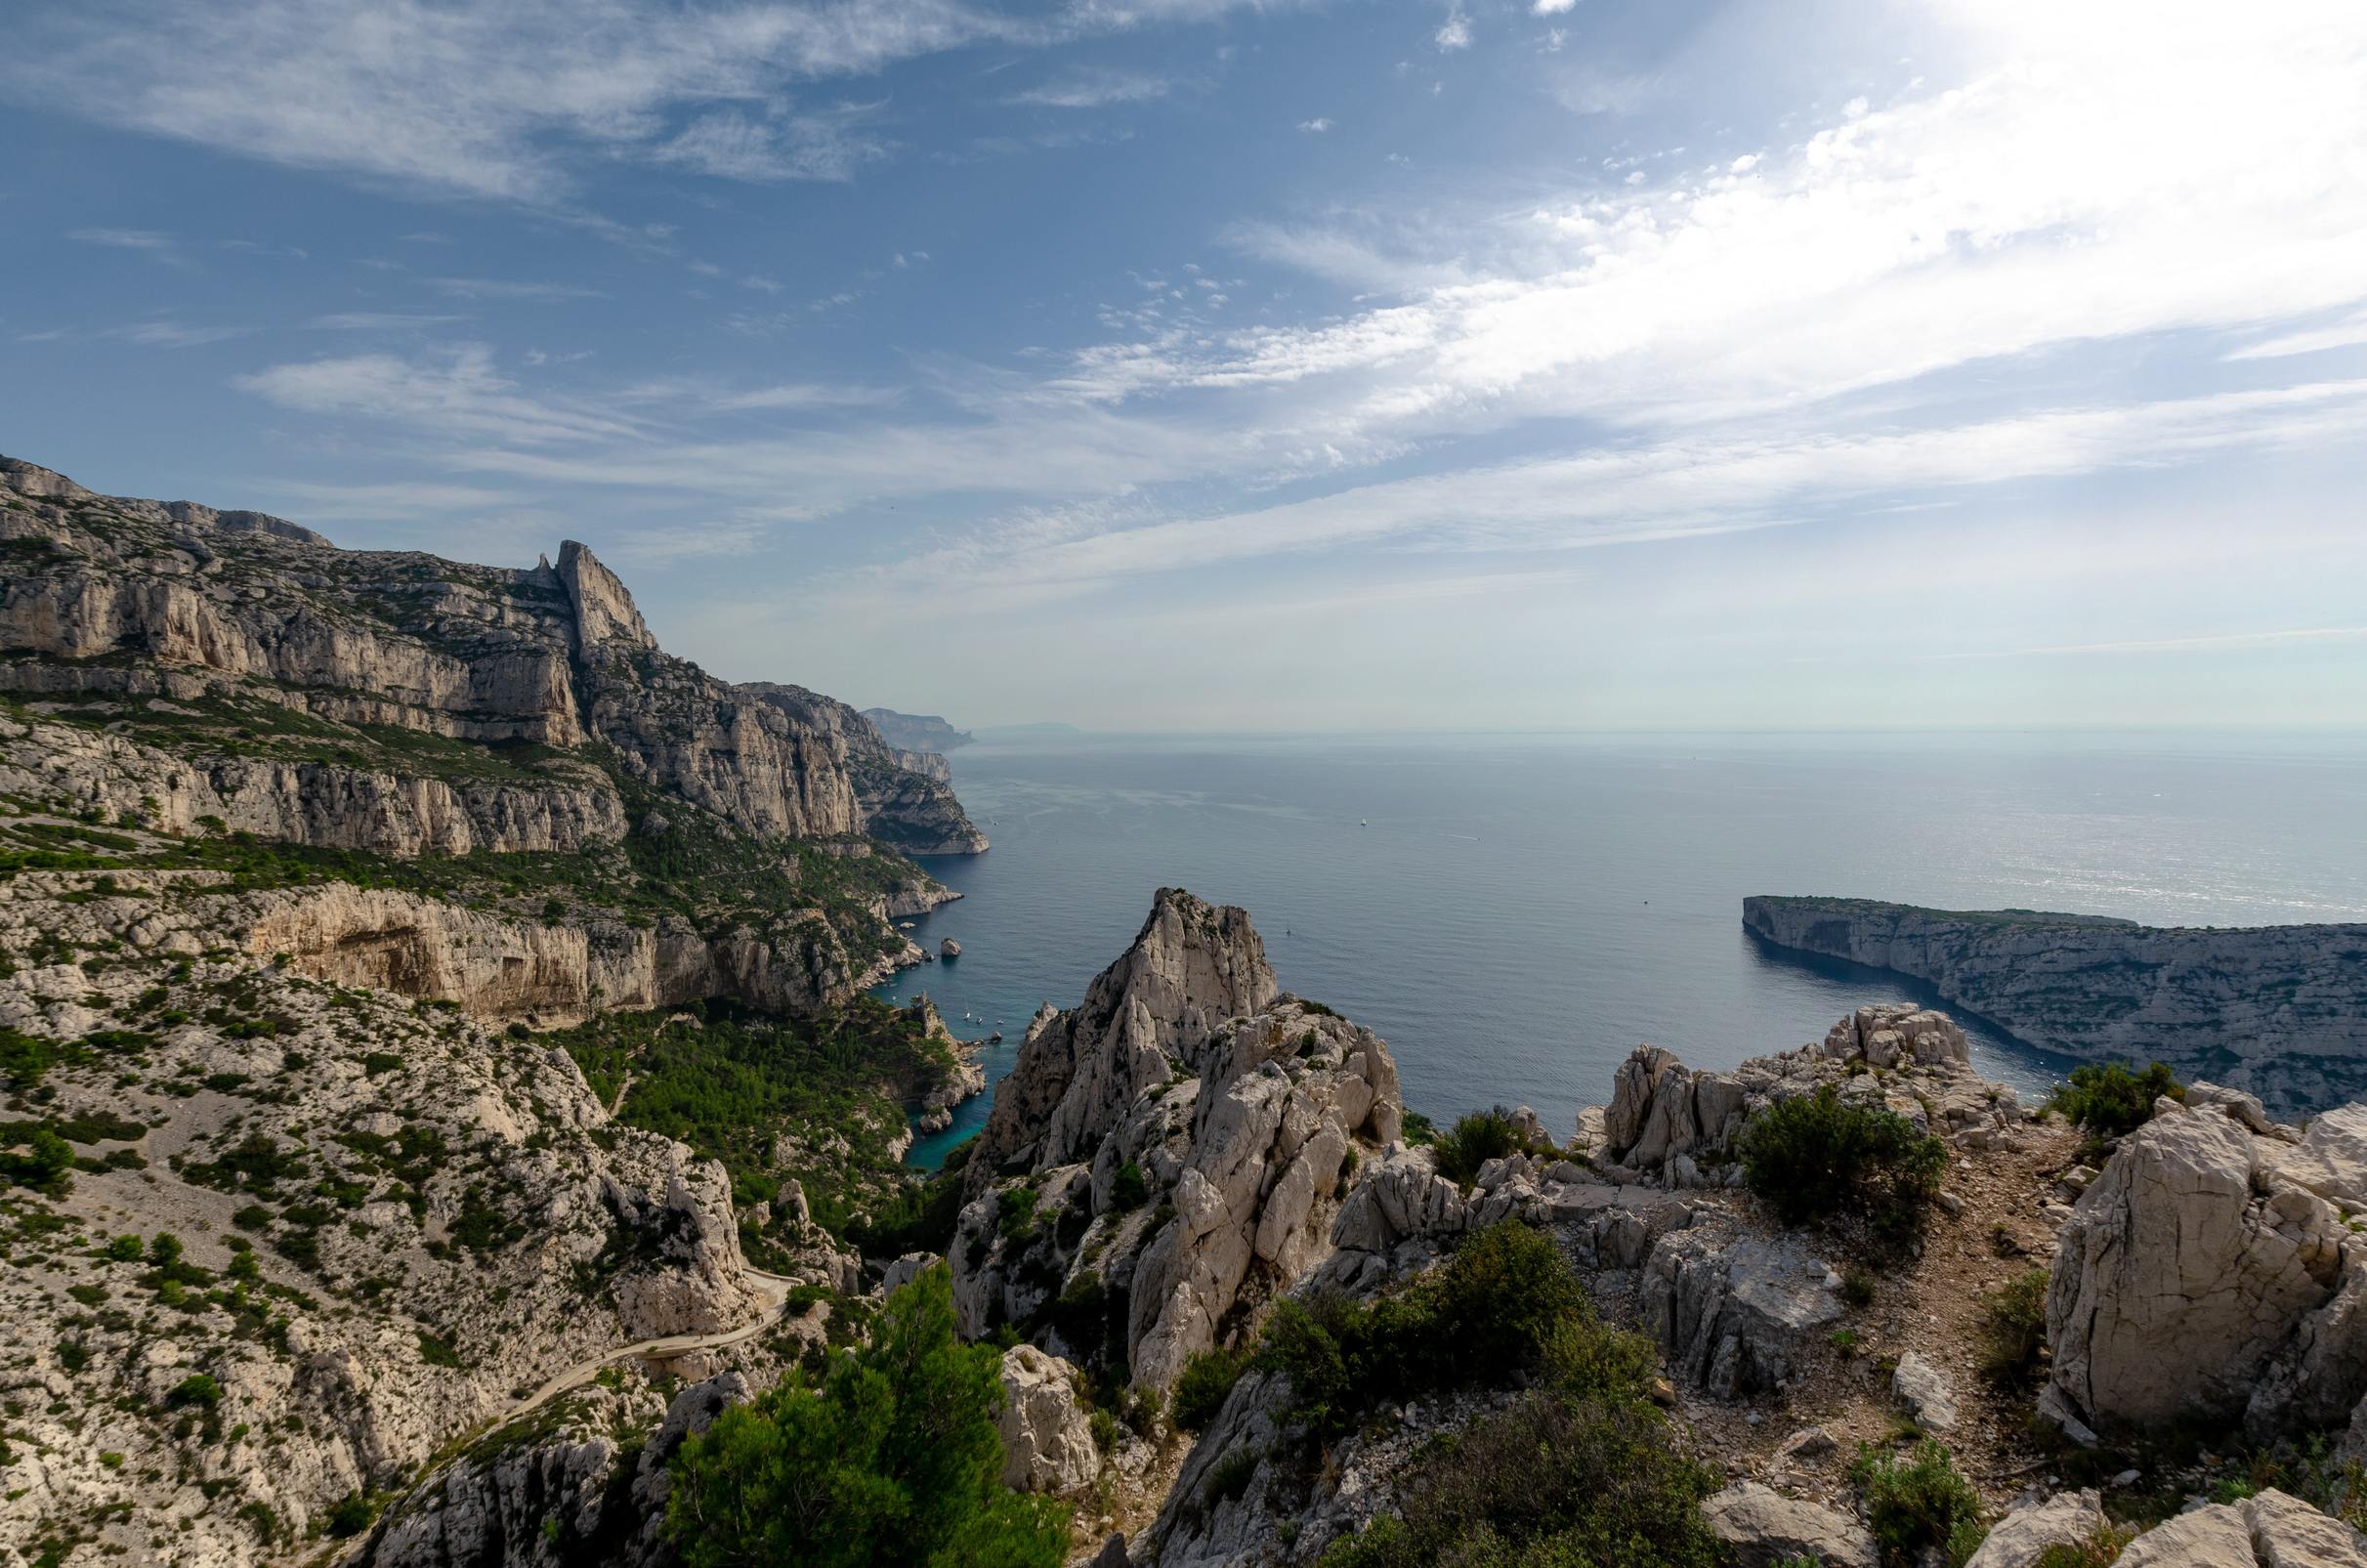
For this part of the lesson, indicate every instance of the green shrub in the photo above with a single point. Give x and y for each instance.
(1816, 1156)
(1476, 1139)
(1507, 1302)
(2013, 1327)
(351, 1515)
(1129, 1190)
(1201, 1391)
(44, 1163)
(437, 1352)
(2109, 1101)
(1919, 1502)
(892, 1457)
(1229, 1477)
(1554, 1481)
(198, 1390)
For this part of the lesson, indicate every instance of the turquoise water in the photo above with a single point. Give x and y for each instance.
(1514, 914)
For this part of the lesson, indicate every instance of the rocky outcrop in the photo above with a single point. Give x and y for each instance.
(909, 807)
(2236, 1246)
(557, 1489)
(2273, 1530)
(145, 600)
(2277, 1010)
(1764, 1529)
(1184, 1084)
(500, 967)
(1047, 1439)
(1736, 1313)
(571, 808)
(1680, 1125)
(399, 1221)
(2025, 1535)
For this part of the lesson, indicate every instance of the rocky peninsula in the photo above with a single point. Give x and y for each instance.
(2280, 1011)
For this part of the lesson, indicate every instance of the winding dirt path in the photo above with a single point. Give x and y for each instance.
(772, 1290)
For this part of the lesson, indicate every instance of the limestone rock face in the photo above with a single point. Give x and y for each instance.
(2273, 1530)
(557, 974)
(1185, 1085)
(2194, 1237)
(2289, 1002)
(490, 1229)
(553, 655)
(1680, 1125)
(2022, 1537)
(1048, 1441)
(1764, 1529)
(1735, 1313)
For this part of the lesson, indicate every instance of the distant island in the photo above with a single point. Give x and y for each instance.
(916, 731)
(2279, 1010)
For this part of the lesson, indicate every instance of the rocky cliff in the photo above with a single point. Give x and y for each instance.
(1180, 1141)
(2280, 1011)
(314, 1234)
(916, 732)
(123, 604)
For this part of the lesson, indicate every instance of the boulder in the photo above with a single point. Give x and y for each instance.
(2193, 1237)
(1734, 1314)
(1047, 1438)
(1924, 1389)
(2215, 1536)
(2288, 1533)
(1763, 1528)
(948, 948)
(2022, 1537)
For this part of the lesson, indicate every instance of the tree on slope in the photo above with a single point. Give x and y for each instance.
(891, 1460)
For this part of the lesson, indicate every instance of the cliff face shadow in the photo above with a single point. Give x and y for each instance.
(1997, 1052)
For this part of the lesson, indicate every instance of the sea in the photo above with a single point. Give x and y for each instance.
(1514, 914)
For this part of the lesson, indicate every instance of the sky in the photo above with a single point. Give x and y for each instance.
(1179, 364)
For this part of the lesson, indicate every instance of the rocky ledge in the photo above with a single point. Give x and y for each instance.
(2280, 1011)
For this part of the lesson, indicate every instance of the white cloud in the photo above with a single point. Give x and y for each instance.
(1552, 8)
(453, 392)
(502, 100)
(735, 145)
(2341, 334)
(2065, 192)
(1095, 89)
(1315, 127)
(173, 334)
(377, 320)
(502, 288)
(154, 241)
(1455, 31)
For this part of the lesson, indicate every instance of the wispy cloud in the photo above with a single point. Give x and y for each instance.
(503, 288)
(1315, 127)
(173, 334)
(455, 392)
(1095, 89)
(377, 320)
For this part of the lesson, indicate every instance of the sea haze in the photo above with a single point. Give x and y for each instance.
(1514, 914)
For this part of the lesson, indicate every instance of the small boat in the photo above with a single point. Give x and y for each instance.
(1361, 823)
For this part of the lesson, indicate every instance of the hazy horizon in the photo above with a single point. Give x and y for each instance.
(1189, 366)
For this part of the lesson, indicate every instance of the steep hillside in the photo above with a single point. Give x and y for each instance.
(417, 989)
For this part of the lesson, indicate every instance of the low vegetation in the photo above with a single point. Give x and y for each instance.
(739, 1086)
(2106, 1100)
(1917, 1505)
(2013, 1328)
(891, 1456)
(1584, 1468)
(1821, 1157)
(1477, 1138)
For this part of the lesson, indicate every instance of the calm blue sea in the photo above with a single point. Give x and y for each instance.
(1514, 914)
